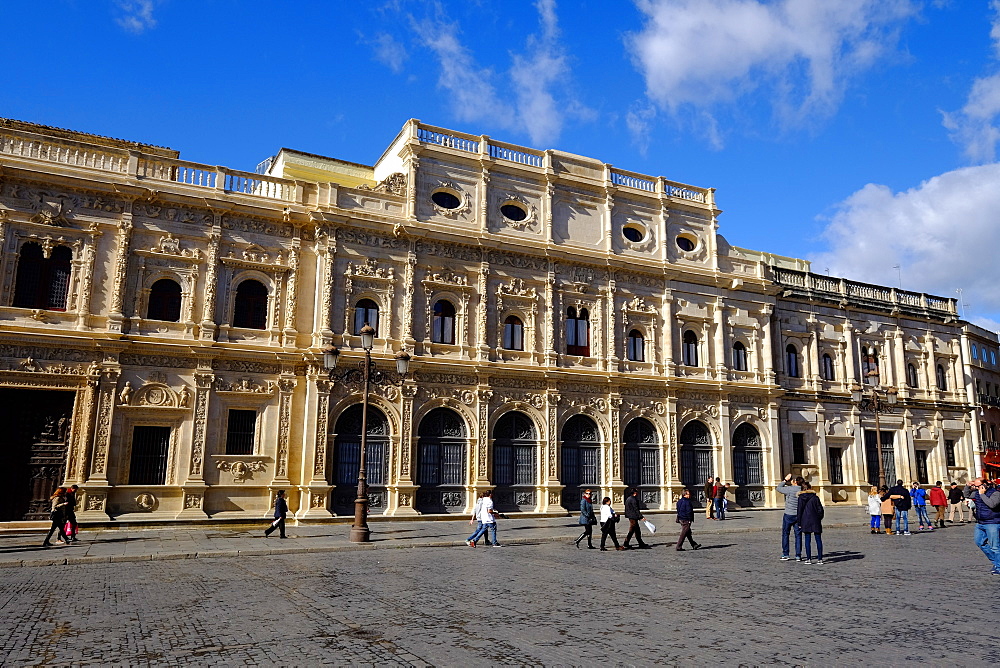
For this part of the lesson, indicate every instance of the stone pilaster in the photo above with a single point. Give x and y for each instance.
(116, 318)
(208, 326)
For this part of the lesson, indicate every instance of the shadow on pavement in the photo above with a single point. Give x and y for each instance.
(842, 556)
(714, 547)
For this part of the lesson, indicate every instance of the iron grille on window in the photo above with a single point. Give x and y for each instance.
(41, 282)
(441, 448)
(348, 446)
(514, 450)
(241, 431)
(148, 464)
(641, 453)
(748, 466)
(949, 453)
(921, 456)
(836, 466)
(888, 459)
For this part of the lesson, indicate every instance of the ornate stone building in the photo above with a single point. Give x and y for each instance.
(572, 324)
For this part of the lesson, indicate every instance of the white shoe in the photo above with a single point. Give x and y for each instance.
(819, 562)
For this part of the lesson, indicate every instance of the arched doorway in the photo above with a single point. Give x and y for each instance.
(748, 466)
(441, 462)
(347, 460)
(642, 461)
(515, 456)
(696, 458)
(581, 459)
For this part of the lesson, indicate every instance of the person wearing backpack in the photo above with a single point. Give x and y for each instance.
(901, 503)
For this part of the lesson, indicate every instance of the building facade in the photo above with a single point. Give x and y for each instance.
(571, 324)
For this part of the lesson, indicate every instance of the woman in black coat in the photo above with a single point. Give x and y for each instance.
(811, 521)
(588, 520)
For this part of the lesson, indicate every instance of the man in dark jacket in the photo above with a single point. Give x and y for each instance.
(987, 499)
(709, 498)
(790, 520)
(956, 501)
(280, 511)
(685, 517)
(901, 502)
(634, 516)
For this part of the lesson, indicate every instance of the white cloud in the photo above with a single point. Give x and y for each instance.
(799, 53)
(137, 15)
(943, 233)
(974, 126)
(536, 73)
(389, 51)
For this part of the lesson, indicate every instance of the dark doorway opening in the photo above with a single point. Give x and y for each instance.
(33, 450)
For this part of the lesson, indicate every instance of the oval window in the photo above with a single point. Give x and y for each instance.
(513, 212)
(634, 233)
(685, 243)
(446, 200)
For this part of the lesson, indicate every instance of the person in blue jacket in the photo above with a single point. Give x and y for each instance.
(685, 517)
(280, 512)
(986, 496)
(587, 519)
(918, 496)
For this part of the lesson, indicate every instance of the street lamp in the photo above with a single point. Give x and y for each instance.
(364, 375)
(875, 399)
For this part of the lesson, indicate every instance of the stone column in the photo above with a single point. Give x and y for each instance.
(616, 482)
(315, 495)
(550, 491)
(290, 305)
(326, 253)
(97, 485)
(208, 326)
(86, 286)
(404, 491)
(551, 316)
(408, 295)
(286, 385)
(118, 280)
(483, 347)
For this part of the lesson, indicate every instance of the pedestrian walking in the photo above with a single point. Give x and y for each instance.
(587, 520)
(475, 516)
(685, 517)
(720, 500)
(280, 512)
(986, 496)
(609, 520)
(790, 520)
(709, 499)
(918, 496)
(634, 516)
(875, 509)
(956, 501)
(888, 510)
(940, 501)
(488, 517)
(901, 503)
(810, 515)
(71, 527)
(58, 517)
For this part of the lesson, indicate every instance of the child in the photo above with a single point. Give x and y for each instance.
(875, 509)
(888, 510)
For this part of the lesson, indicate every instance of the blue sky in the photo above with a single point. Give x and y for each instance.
(860, 134)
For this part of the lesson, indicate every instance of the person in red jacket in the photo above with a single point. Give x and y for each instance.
(940, 501)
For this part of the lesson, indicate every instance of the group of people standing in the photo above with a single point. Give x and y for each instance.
(63, 516)
(803, 515)
(715, 499)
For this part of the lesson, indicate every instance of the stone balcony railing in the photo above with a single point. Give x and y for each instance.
(863, 295)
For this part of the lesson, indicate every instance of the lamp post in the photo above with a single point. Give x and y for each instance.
(364, 375)
(875, 399)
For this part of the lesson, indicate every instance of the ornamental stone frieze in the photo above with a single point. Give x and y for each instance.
(241, 469)
(173, 214)
(244, 385)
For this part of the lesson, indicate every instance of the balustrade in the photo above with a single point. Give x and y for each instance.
(866, 291)
(62, 151)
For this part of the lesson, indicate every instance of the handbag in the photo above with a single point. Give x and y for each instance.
(592, 520)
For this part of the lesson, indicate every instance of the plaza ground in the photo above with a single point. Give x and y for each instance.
(538, 601)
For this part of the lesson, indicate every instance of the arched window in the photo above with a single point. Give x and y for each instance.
(250, 305)
(739, 356)
(636, 346)
(942, 379)
(577, 332)
(515, 443)
(581, 458)
(42, 282)
(164, 301)
(696, 454)
(748, 463)
(911, 376)
(975, 353)
(690, 348)
(642, 454)
(869, 366)
(443, 322)
(513, 333)
(792, 361)
(365, 313)
(347, 447)
(826, 367)
(441, 448)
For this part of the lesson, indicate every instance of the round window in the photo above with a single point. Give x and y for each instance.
(513, 212)
(634, 233)
(446, 200)
(685, 243)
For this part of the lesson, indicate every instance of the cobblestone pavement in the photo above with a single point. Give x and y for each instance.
(878, 600)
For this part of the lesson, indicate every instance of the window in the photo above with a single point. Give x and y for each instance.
(949, 453)
(42, 282)
(690, 348)
(888, 456)
(636, 346)
(799, 449)
(942, 379)
(164, 301)
(441, 448)
(250, 306)
(921, 456)
(514, 448)
(642, 454)
(984, 354)
(836, 466)
(514, 212)
(696, 454)
(148, 463)
(993, 358)
(513, 333)
(975, 353)
(634, 232)
(685, 244)
(911, 376)
(739, 356)
(869, 366)
(792, 361)
(577, 332)
(827, 367)
(581, 454)
(443, 323)
(240, 434)
(365, 313)
(446, 200)
(347, 447)
(748, 464)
